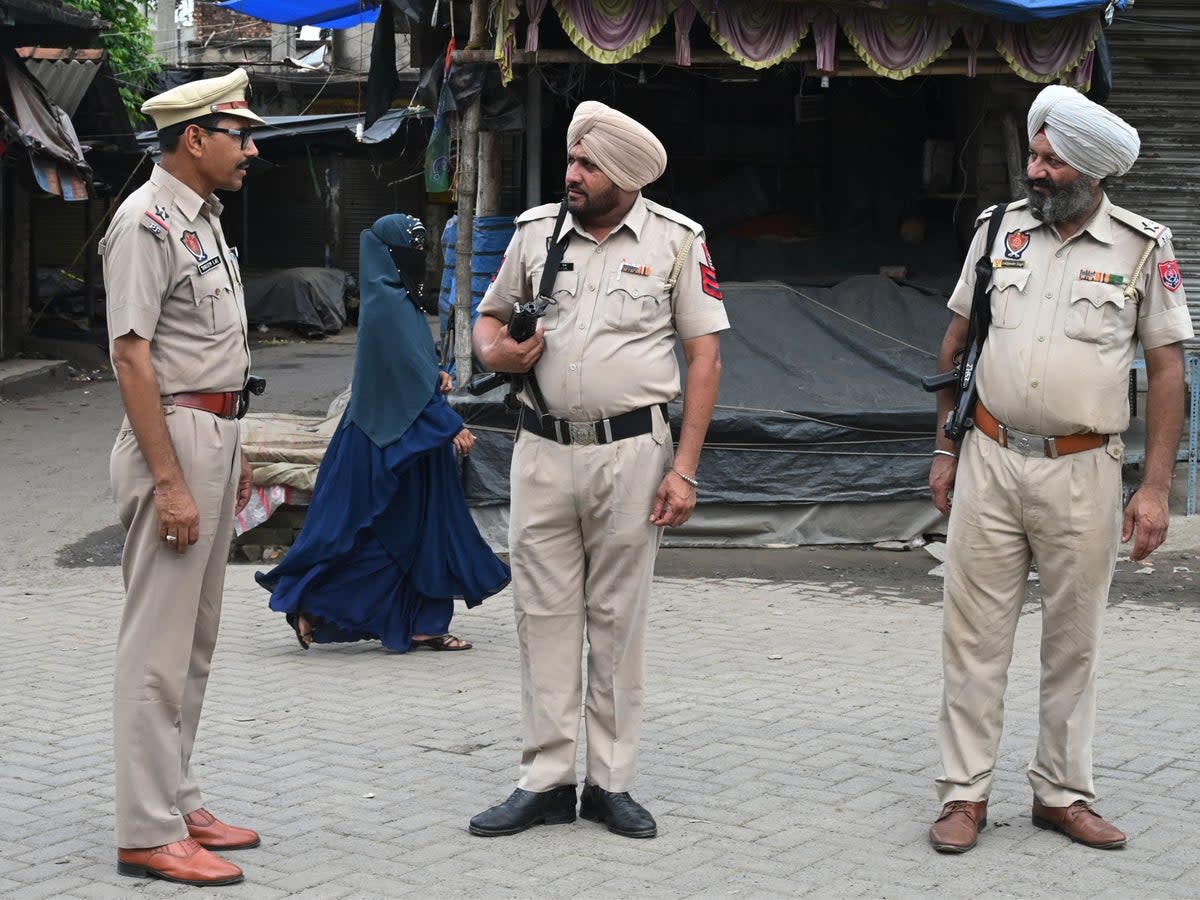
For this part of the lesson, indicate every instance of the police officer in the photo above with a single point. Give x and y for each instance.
(177, 326)
(1076, 283)
(594, 479)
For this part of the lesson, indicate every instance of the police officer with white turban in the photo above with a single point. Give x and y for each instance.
(177, 326)
(594, 476)
(1076, 284)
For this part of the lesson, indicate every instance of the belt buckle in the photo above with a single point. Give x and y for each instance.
(1024, 443)
(582, 433)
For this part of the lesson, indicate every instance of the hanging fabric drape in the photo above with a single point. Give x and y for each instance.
(895, 43)
(611, 31)
(1057, 50)
(757, 33)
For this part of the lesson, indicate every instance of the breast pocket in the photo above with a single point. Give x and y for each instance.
(1097, 312)
(1008, 297)
(564, 292)
(214, 304)
(635, 302)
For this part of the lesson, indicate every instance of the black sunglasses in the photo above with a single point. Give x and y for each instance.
(245, 135)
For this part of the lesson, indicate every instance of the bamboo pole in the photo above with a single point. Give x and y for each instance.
(468, 170)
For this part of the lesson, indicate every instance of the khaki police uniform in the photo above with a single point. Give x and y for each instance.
(581, 543)
(1056, 362)
(171, 278)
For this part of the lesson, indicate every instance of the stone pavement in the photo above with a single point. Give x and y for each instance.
(789, 751)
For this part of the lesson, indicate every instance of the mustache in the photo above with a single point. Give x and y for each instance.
(1044, 183)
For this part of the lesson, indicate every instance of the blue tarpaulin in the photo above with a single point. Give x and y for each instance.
(1030, 10)
(318, 13)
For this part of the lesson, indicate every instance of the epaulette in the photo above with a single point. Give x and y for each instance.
(1160, 234)
(987, 213)
(678, 218)
(545, 211)
(156, 222)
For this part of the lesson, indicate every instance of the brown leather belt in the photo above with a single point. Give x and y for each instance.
(1035, 444)
(224, 404)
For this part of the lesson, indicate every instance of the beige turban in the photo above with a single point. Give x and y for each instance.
(621, 147)
(1087, 136)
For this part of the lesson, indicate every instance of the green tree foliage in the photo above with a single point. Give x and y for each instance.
(130, 46)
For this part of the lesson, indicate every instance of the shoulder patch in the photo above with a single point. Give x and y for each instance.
(155, 224)
(679, 218)
(546, 210)
(1160, 234)
(987, 213)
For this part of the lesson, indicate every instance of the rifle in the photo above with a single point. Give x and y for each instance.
(966, 361)
(523, 324)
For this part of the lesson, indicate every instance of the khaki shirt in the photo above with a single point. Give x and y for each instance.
(1063, 333)
(169, 277)
(610, 338)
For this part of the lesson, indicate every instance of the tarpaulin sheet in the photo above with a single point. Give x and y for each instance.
(310, 298)
(318, 13)
(1029, 10)
(820, 398)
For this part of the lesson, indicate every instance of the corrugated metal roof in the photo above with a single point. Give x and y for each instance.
(66, 75)
(278, 127)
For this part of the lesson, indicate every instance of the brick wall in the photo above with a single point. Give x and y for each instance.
(221, 24)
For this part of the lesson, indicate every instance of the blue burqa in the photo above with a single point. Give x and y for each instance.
(388, 542)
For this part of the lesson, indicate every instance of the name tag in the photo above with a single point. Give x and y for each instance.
(630, 269)
(566, 267)
(208, 264)
(1008, 263)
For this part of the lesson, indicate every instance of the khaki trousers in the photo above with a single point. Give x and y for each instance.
(169, 626)
(582, 553)
(1064, 513)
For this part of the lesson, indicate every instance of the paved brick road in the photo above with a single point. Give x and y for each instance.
(810, 774)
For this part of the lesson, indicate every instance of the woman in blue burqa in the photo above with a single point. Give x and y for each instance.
(388, 542)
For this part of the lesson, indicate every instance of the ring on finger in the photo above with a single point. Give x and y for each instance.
(170, 538)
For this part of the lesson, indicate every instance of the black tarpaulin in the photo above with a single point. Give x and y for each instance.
(820, 398)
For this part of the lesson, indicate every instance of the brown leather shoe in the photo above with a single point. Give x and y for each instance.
(957, 828)
(213, 834)
(1080, 823)
(185, 862)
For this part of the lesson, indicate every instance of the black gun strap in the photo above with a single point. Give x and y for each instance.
(554, 256)
(981, 308)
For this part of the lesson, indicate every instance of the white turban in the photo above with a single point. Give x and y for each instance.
(622, 148)
(1087, 136)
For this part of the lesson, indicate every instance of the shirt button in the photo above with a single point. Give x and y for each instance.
(597, 250)
(572, 367)
(582, 327)
(1033, 384)
(1049, 296)
(591, 287)
(1041, 338)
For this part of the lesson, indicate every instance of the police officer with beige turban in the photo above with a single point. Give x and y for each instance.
(1076, 283)
(177, 326)
(594, 478)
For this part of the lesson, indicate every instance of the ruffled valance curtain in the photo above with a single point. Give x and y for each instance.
(611, 31)
(757, 33)
(763, 33)
(897, 44)
(1054, 50)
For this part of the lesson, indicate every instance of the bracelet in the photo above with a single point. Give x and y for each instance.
(949, 453)
(688, 478)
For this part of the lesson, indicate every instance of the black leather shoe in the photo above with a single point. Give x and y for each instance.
(621, 813)
(524, 809)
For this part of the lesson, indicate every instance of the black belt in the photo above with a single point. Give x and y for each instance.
(626, 425)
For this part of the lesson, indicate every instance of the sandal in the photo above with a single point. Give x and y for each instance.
(304, 629)
(441, 642)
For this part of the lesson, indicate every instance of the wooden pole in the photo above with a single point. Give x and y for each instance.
(468, 164)
(489, 174)
(533, 137)
(1013, 155)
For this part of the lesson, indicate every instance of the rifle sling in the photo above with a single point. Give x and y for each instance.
(554, 257)
(981, 308)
